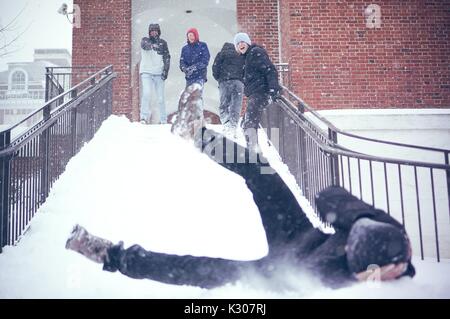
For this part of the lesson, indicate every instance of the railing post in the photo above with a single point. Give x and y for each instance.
(281, 134)
(334, 163)
(73, 127)
(301, 107)
(304, 164)
(44, 154)
(448, 179)
(46, 112)
(73, 95)
(47, 83)
(5, 139)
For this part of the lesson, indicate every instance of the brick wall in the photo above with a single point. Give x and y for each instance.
(337, 62)
(105, 38)
(259, 18)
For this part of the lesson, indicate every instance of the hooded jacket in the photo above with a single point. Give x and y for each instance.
(155, 56)
(260, 75)
(228, 64)
(194, 59)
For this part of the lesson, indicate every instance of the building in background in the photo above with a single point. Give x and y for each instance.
(22, 86)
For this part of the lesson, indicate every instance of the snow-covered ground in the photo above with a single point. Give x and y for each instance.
(141, 184)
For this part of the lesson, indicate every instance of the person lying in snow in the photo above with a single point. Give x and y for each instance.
(368, 244)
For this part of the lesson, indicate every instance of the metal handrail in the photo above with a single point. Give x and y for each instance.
(105, 73)
(337, 130)
(32, 161)
(333, 148)
(416, 192)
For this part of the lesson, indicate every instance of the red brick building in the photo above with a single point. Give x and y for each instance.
(342, 54)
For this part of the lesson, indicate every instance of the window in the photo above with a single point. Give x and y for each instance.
(18, 81)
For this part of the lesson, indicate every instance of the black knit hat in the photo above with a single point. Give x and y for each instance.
(375, 243)
(154, 27)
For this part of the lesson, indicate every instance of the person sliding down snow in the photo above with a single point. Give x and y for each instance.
(367, 243)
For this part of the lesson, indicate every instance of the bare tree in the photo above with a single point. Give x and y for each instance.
(10, 34)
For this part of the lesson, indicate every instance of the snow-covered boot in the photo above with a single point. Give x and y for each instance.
(251, 138)
(92, 247)
(189, 118)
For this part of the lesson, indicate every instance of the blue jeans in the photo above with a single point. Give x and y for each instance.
(150, 81)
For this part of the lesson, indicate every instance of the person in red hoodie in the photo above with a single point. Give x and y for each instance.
(194, 59)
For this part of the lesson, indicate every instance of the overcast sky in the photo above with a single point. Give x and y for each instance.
(43, 27)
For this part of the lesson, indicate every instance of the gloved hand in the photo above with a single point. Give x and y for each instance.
(164, 76)
(189, 70)
(274, 94)
(146, 44)
(155, 46)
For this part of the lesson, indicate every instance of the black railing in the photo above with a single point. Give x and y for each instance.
(59, 79)
(414, 192)
(32, 158)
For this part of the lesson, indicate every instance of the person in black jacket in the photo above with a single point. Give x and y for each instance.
(260, 84)
(153, 69)
(368, 244)
(228, 70)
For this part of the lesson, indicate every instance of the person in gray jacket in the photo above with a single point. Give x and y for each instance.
(153, 70)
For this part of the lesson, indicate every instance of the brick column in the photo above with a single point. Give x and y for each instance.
(105, 38)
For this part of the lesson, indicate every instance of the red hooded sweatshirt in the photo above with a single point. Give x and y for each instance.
(195, 32)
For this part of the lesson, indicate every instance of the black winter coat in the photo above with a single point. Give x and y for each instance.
(195, 55)
(260, 75)
(228, 64)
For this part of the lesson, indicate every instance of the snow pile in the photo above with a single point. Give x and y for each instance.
(141, 184)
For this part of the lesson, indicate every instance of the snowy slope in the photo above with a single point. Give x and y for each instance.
(141, 184)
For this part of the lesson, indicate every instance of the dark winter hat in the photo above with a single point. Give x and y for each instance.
(154, 27)
(242, 37)
(375, 243)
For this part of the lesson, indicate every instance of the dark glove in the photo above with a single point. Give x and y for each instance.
(155, 46)
(189, 70)
(164, 76)
(146, 44)
(274, 94)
